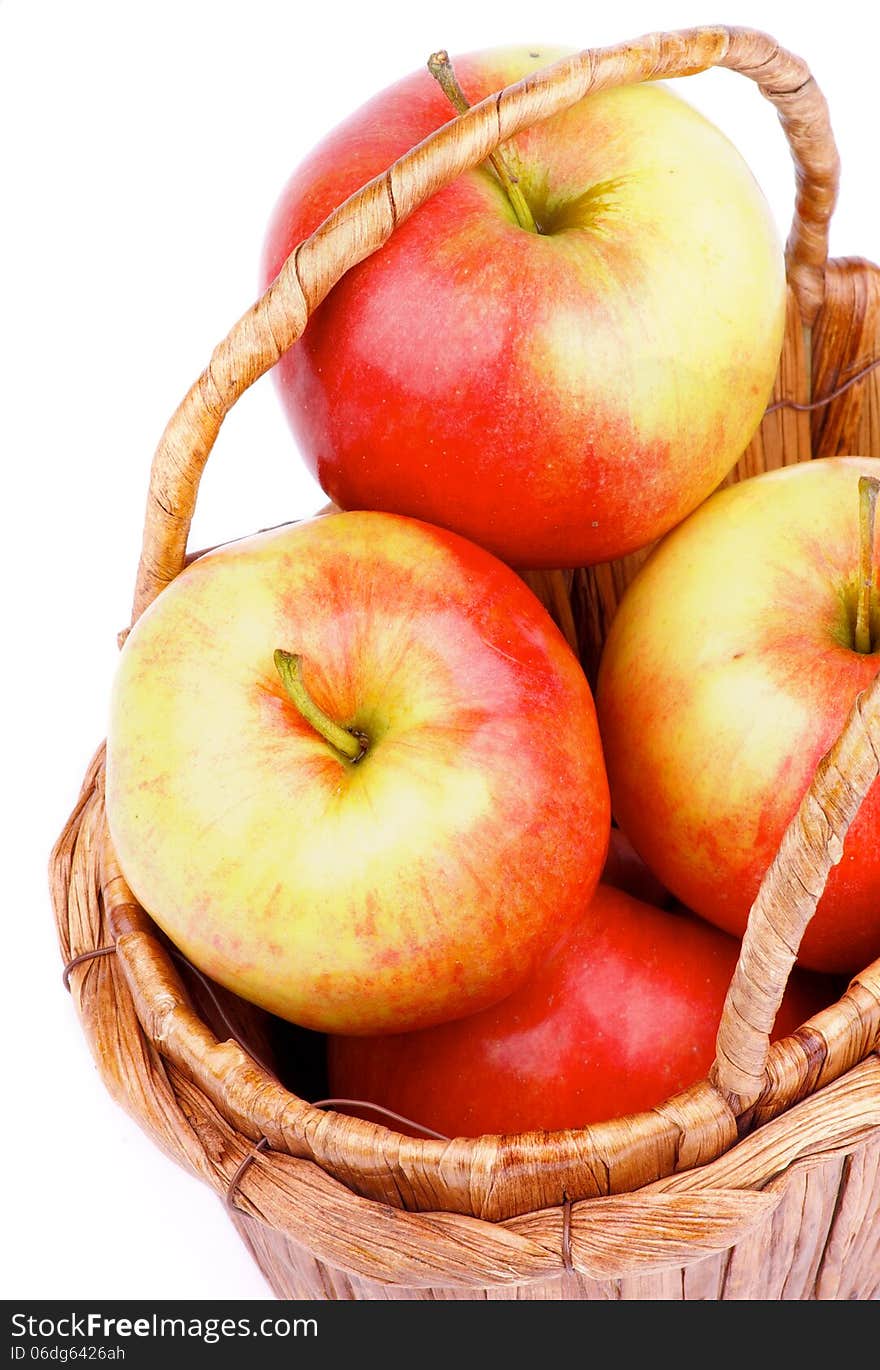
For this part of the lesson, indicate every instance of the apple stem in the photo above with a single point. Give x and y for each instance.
(443, 72)
(869, 486)
(349, 744)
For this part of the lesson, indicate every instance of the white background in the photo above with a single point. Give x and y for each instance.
(141, 150)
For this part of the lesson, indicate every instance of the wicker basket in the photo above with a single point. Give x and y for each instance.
(762, 1181)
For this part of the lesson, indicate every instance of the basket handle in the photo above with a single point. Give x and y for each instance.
(368, 218)
(787, 899)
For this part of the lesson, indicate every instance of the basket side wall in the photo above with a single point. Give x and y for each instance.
(822, 1242)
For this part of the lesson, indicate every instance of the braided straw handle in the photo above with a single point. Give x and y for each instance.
(368, 218)
(364, 223)
(787, 899)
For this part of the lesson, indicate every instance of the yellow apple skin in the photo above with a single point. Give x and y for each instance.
(416, 884)
(728, 672)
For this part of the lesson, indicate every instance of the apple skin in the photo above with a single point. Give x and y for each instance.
(727, 674)
(520, 387)
(622, 1014)
(421, 882)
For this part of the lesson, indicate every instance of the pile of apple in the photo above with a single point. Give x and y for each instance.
(354, 770)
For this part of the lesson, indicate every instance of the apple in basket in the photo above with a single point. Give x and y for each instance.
(354, 773)
(622, 1014)
(514, 363)
(732, 663)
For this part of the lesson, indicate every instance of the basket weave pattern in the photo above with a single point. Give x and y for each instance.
(761, 1181)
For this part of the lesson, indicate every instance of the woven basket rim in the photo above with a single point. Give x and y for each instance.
(701, 1206)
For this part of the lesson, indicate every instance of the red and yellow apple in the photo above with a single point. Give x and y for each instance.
(518, 384)
(621, 1014)
(728, 672)
(354, 772)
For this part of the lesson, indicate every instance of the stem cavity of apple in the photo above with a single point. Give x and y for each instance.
(443, 72)
(869, 487)
(350, 745)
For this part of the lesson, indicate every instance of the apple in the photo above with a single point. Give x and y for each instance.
(354, 772)
(517, 384)
(622, 1014)
(728, 672)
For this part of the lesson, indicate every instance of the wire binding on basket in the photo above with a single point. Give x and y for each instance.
(262, 1145)
(825, 399)
(83, 957)
(567, 1262)
(384, 1112)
